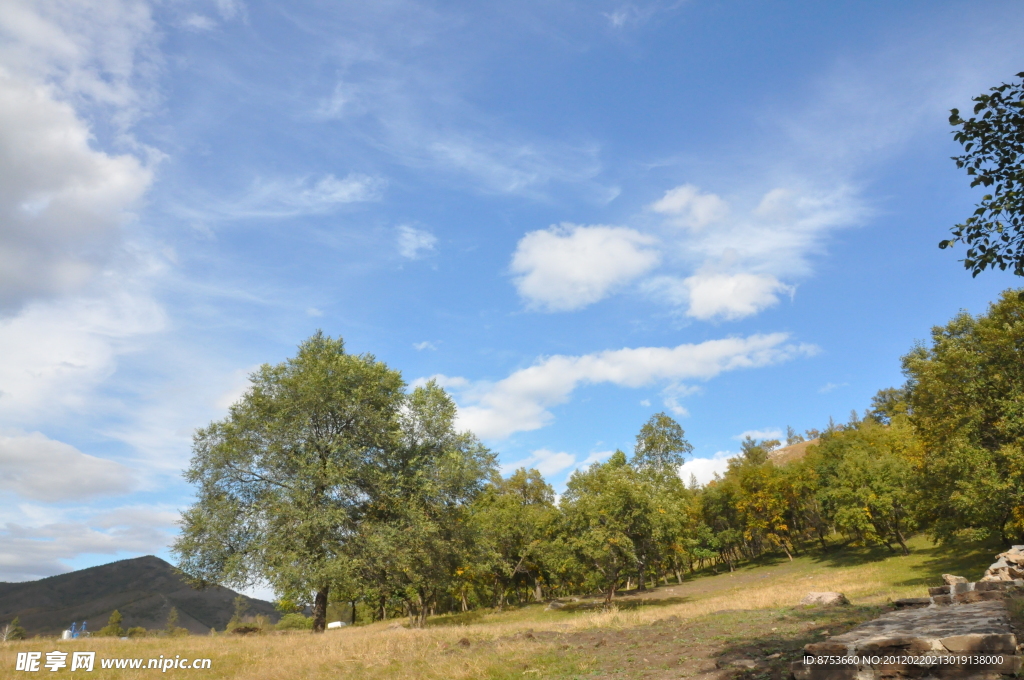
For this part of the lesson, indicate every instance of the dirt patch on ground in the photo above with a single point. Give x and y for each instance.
(733, 644)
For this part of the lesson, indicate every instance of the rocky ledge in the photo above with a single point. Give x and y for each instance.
(963, 641)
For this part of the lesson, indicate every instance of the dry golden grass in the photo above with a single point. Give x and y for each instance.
(494, 649)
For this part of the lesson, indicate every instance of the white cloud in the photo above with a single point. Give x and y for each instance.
(767, 433)
(239, 384)
(415, 243)
(94, 53)
(445, 381)
(38, 468)
(278, 198)
(521, 401)
(690, 208)
(708, 296)
(426, 344)
(705, 469)
(62, 203)
(671, 395)
(54, 354)
(31, 551)
(545, 461)
(570, 266)
(198, 22)
(314, 311)
(828, 387)
(740, 267)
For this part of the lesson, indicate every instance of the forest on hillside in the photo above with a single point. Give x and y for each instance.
(335, 484)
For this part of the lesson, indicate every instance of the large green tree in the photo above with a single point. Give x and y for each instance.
(966, 401)
(285, 480)
(604, 509)
(514, 515)
(660, 445)
(419, 531)
(866, 474)
(993, 141)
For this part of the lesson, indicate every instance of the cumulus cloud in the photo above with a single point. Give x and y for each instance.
(707, 296)
(688, 207)
(705, 469)
(521, 401)
(415, 243)
(570, 266)
(62, 202)
(39, 468)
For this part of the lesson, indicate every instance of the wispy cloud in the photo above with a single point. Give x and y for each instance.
(521, 401)
(293, 197)
(415, 243)
(829, 387)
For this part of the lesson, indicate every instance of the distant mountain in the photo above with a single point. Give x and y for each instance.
(143, 589)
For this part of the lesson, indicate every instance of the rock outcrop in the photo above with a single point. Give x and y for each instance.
(1009, 566)
(960, 631)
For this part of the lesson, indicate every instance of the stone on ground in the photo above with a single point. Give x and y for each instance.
(826, 599)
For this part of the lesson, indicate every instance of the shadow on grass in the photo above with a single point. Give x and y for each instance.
(959, 558)
(460, 619)
(773, 651)
(630, 603)
(852, 556)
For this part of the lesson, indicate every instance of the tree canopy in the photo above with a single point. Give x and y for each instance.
(993, 141)
(336, 484)
(324, 456)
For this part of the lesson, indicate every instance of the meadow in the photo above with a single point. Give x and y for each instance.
(672, 631)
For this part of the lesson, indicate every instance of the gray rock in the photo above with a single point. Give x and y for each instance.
(949, 579)
(825, 598)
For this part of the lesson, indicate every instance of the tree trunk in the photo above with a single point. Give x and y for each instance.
(903, 542)
(465, 602)
(320, 610)
(641, 583)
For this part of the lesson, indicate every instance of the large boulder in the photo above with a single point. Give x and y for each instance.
(827, 599)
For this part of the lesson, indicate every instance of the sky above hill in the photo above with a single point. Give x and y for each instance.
(572, 214)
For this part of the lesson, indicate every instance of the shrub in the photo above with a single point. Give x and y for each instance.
(113, 627)
(295, 621)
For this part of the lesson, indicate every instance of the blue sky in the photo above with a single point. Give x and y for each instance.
(573, 214)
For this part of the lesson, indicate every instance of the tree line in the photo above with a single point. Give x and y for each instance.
(334, 483)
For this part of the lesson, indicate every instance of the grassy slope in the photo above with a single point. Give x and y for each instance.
(670, 632)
